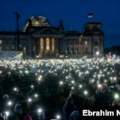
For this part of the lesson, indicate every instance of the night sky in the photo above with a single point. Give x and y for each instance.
(72, 12)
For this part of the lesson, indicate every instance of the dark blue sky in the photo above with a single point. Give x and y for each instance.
(72, 12)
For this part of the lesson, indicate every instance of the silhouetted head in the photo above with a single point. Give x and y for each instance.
(74, 115)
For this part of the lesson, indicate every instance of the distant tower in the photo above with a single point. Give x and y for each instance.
(94, 33)
(17, 31)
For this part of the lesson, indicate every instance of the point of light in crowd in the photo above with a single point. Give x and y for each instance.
(9, 103)
(7, 113)
(115, 78)
(36, 95)
(61, 82)
(85, 92)
(0, 72)
(116, 96)
(87, 72)
(39, 77)
(99, 85)
(9, 73)
(26, 72)
(99, 76)
(32, 86)
(105, 81)
(15, 89)
(39, 110)
(58, 117)
(20, 71)
(97, 53)
(93, 80)
(72, 88)
(29, 100)
(80, 86)
(72, 81)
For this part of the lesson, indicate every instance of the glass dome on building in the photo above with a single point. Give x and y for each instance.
(37, 21)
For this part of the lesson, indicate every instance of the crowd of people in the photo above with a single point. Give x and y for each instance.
(57, 88)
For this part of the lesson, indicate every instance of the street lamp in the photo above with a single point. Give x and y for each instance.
(97, 53)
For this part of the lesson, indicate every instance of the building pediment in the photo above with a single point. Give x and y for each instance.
(48, 30)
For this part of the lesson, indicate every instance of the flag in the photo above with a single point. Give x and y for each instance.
(90, 15)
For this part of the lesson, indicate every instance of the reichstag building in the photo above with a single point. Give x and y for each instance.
(40, 39)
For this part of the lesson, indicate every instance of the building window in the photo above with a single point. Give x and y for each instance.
(41, 44)
(13, 47)
(76, 50)
(81, 42)
(36, 23)
(86, 50)
(53, 44)
(0, 45)
(86, 43)
(95, 49)
(0, 42)
(96, 43)
(76, 43)
(72, 50)
(68, 49)
(47, 44)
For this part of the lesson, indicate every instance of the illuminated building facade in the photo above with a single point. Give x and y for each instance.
(40, 39)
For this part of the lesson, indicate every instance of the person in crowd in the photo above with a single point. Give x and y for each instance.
(69, 106)
(17, 112)
(1, 116)
(75, 115)
(28, 117)
(102, 97)
(116, 103)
